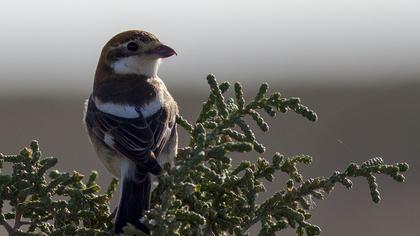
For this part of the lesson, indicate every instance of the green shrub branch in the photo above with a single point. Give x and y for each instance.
(203, 194)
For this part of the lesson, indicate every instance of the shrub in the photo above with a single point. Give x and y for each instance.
(203, 194)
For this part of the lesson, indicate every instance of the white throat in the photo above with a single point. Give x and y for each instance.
(139, 65)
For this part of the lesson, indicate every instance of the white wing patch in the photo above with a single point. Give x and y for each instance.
(152, 107)
(127, 111)
(108, 139)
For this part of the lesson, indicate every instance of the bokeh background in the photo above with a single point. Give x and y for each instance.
(357, 63)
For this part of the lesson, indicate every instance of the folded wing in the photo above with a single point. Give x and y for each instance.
(139, 139)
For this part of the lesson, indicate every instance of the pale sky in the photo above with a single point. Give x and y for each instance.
(57, 43)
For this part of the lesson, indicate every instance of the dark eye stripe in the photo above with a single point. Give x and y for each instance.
(115, 54)
(132, 46)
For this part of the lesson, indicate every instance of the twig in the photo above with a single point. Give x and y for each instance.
(7, 227)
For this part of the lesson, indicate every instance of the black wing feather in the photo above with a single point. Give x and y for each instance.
(138, 139)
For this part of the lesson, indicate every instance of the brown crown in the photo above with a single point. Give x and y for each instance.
(130, 35)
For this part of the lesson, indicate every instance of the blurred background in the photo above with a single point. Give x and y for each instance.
(356, 63)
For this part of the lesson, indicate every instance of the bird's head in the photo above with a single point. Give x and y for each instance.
(133, 52)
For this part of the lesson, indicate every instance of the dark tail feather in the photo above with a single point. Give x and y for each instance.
(134, 200)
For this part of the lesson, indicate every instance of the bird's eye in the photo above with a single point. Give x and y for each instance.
(131, 46)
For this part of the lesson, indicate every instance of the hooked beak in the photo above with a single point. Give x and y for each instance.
(161, 51)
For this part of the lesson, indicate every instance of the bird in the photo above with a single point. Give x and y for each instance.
(130, 118)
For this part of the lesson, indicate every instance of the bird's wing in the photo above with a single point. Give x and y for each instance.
(139, 139)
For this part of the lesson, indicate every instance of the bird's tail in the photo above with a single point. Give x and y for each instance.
(134, 201)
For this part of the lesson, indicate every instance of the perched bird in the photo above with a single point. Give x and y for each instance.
(130, 118)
